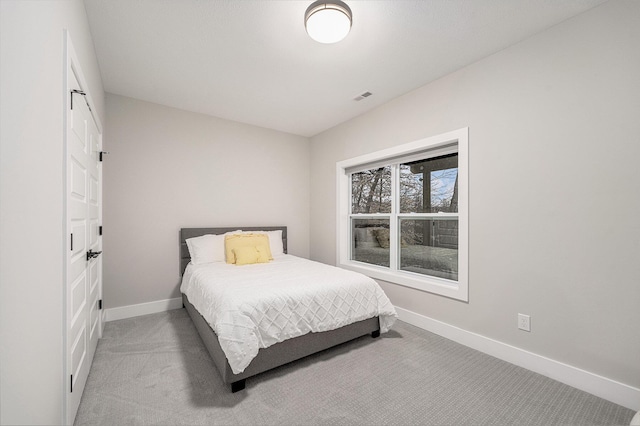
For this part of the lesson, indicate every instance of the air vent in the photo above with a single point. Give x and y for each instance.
(362, 96)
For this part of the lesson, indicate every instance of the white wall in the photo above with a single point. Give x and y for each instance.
(169, 169)
(554, 141)
(31, 201)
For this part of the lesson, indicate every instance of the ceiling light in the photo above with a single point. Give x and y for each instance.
(328, 21)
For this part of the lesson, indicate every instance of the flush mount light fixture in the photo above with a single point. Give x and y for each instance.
(328, 21)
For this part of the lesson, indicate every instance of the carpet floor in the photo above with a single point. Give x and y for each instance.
(155, 370)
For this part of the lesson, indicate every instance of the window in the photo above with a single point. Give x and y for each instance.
(402, 214)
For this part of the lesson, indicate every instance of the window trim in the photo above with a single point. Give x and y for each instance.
(431, 146)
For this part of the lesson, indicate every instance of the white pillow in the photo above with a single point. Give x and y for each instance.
(275, 241)
(206, 249)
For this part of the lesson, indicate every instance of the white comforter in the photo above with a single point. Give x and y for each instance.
(255, 306)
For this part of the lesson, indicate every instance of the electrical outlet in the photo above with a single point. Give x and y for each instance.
(524, 322)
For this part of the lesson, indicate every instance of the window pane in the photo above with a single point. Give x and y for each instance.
(370, 241)
(430, 247)
(371, 191)
(440, 191)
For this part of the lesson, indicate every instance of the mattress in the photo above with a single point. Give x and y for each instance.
(255, 306)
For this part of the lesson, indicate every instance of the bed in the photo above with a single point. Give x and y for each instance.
(272, 349)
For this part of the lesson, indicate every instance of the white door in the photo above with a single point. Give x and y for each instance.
(84, 264)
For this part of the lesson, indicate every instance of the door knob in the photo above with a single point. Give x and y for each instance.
(91, 254)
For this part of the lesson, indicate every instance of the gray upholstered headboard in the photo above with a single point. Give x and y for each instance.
(186, 233)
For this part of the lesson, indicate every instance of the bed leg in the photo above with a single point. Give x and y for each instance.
(375, 334)
(238, 386)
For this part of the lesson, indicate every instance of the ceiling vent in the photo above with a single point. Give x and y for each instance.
(362, 96)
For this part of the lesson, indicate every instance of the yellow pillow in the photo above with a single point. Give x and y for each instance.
(250, 255)
(260, 241)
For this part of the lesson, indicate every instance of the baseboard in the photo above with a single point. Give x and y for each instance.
(605, 388)
(131, 311)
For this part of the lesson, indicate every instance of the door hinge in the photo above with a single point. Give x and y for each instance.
(79, 92)
(71, 242)
(102, 153)
(100, 304)
(72, 383)
(100, 230)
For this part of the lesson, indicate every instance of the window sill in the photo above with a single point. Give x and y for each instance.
(439, 286)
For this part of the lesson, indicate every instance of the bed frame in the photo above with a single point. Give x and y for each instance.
(280, 353)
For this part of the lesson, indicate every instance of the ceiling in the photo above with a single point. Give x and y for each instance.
(251, 60)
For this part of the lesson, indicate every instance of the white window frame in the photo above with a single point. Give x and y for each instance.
(455, 141)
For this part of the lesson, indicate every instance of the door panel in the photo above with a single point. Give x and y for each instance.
(93, 191)
(78, 298)
(84, 213)
(78, 122)
(78, 180)
(78, 230)
(78, 357)
(95, 242)
(77, 312)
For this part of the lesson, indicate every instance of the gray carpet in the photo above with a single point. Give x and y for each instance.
(155, 370)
